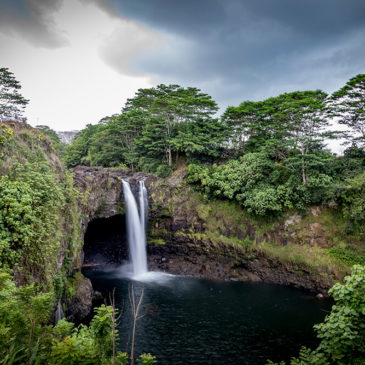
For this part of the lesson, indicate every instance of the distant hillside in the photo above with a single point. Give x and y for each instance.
(66, 136)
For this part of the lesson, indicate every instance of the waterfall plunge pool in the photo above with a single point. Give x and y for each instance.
(194, 321)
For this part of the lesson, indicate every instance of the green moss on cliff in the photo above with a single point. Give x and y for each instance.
(40, 238)
(39, 219)
(315, 240)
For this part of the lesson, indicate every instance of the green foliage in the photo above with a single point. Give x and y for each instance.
(6, 134)
(38, 216)
(84, 345)
(348, 104)
(342, 332)
(246, 126)
(24, 312)
(290, 129)
(30, 194)
(347, 256)
(163, 170)
(89, 344)
(59, 146)
(122, 358)
(202, 140)
(115, 143)
(306, 357)
(352, 163)
(156, 127)
(288, 121)
(76, 153)
(146, 359)
(12, 103)
(177, 120)
(350, 195)
(283, 163)
(26, 338)
(153, 165)
(259, 184)
(39, 219)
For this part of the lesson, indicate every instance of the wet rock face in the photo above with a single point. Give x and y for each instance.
(101, 190)
(188, 260)
(203, 259)
(101, 201)
(81, 303)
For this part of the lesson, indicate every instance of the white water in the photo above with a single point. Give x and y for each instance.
(136, 228)
(143, 205)
(59, 312)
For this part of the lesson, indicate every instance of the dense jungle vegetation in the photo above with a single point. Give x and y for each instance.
(40, 243)
(269, 157)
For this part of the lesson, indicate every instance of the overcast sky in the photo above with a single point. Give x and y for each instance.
(79, 60)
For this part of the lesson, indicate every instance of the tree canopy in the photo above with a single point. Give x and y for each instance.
(12, 103)
(166, 111)
(348, 104)
(268, 155)
(156, 128)
(76, 153)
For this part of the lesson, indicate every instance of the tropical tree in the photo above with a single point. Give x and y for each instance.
(76, 153)
(248, 126)
(202, 140)
(115, 144)
(301, 113)
(12, 103)
(291, 127)
(348, 104)
(166, 107)
(156, 126)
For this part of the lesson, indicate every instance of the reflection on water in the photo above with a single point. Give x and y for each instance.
(191, 321)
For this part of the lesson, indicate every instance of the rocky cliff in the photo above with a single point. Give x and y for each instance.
(190, 236)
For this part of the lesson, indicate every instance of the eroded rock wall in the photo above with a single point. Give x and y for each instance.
(101, 193)
(205, 259)
(190, 236)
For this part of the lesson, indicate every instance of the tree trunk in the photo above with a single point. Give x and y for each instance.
(170, 156)
(135, 311)
(304, 172)
(304, 175)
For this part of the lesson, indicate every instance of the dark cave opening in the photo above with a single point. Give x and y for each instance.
(105, 241)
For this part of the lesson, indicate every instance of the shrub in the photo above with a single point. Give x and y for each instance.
(342, 332)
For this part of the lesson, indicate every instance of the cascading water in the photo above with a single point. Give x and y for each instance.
(136, 225)
(143, 205)
(59, 312)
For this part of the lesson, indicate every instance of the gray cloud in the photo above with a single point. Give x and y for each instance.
(233, 49)
(127, 41)
(33, 20)
(251, 49)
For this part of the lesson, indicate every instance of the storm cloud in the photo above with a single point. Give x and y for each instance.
(34, 21)
(80, 60)
(250, 49)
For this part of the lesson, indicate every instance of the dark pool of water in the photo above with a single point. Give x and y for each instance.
(191, 321)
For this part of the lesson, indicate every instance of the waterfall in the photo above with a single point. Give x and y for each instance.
(59, 312)
(143, 205)
(136, 225)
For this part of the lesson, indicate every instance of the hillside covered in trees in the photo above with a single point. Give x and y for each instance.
(270, 156)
